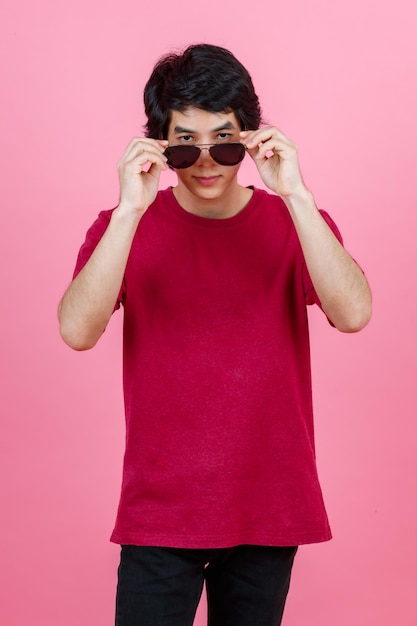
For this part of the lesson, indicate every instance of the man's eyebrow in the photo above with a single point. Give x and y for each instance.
(182, 129)
(225, 126)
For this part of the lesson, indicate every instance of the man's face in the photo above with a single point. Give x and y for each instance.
(205, 181)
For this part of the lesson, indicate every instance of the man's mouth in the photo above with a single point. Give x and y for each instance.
(207, 180)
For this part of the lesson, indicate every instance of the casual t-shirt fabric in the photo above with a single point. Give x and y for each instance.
(217, 387)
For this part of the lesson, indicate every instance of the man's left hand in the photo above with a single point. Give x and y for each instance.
(276, 158)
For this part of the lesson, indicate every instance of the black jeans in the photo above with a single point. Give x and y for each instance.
(246, 585)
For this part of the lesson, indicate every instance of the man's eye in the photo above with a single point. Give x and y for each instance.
(223, 136)
(186, 138)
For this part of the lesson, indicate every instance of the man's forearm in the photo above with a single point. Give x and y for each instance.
(88, 303)
(339, 283)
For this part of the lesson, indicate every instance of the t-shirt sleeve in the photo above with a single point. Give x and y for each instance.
(310, 292)
(93, 236)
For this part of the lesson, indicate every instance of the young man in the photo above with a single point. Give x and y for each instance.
(219, 481)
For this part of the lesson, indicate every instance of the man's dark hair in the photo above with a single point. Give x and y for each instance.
(205, 77)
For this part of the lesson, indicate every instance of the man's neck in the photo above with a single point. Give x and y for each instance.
(225, 206)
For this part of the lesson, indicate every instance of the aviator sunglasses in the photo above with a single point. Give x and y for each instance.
(180, 157)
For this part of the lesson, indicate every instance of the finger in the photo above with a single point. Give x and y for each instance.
(156, 169)
(141, 153)
(254, 138)
(140, 163)
(146, 157)
(275, 147)
(263, 151)
(145, 147)
(140, 144)
(137, 168)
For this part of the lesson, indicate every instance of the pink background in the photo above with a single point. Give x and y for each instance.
(340, 79)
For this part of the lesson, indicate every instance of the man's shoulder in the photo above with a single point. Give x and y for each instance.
(270, 203)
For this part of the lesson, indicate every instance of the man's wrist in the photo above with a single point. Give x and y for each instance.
(300, 200)
(125, 212)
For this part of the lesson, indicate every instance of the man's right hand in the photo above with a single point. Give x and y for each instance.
(88, 303)
(139, 170)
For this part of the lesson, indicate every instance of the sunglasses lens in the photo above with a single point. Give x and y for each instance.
(228, 153)
(180, 157)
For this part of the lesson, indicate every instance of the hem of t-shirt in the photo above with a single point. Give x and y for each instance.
(216, 541)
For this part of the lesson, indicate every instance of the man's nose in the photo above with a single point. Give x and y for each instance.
(205, 157)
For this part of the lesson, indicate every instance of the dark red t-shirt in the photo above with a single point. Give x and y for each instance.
(220, 442)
